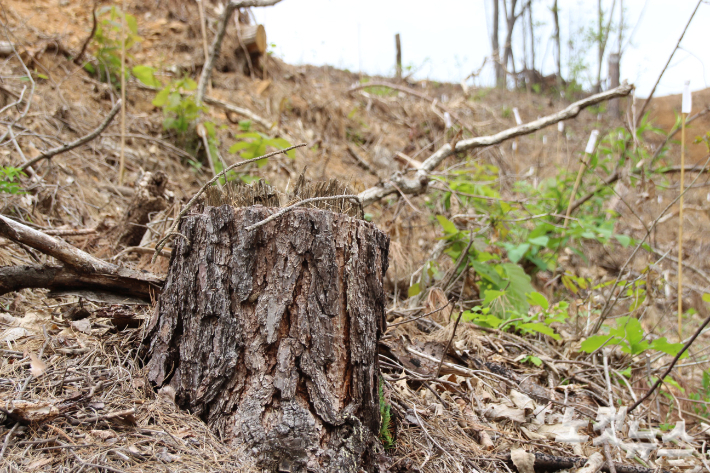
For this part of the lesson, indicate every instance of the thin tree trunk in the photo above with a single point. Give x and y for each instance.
(532, 37)
(398, 44)
(556, 16)
(270, 335)
(495, 45)
(600, 50)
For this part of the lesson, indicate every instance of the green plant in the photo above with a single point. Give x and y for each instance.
(252, 144)
(629, 335)
(702, 395)
(180, 110)
(9, 180)
(386, 436)
(108, 43)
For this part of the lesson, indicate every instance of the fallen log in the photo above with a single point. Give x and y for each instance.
(87, 270)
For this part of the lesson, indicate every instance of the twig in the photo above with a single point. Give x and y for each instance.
(650, 96)
(192, 201)
(420, 316)
(7, 439)
(219, 37)
(421, 178)
(122, 156)
(296, 205)
(670, 367)
(143, 250)
(77, 59)
(74, 144)
(446, 350)
(239, 111)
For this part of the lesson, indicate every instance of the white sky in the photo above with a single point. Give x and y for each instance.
(448, 41)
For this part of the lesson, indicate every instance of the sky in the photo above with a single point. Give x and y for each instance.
(448, 42)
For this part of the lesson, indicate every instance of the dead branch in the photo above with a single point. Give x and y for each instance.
(421, 178)
(65, 278)
(239, 111)
(77, 59)
(49, 154)
(92, 269)
(219, 37)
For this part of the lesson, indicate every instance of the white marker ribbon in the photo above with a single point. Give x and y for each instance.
(592, 142)
(517, 116)
(687, 98)
(560, 126)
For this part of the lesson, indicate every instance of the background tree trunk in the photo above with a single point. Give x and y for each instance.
(495, 45)
(271, 335)
(558, 45)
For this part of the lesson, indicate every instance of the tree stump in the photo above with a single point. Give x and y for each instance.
(270, 335)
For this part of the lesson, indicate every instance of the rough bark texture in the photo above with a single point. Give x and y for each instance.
(271, 335)
(150, 196)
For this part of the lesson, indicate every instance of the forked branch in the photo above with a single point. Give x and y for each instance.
(420, 181)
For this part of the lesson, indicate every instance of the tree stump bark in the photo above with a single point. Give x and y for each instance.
(270, 335)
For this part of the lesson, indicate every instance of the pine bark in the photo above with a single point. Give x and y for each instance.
(271, 335)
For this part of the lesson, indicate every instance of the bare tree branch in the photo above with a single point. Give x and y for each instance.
(421, 179)
(74, 144)
(78, 260)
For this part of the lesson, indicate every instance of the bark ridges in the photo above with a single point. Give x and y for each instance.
(271, 335)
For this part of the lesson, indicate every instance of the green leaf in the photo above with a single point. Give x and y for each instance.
(239, 146)
(595, 342)
(534, 360)
(663, 345)
(414, 290)
(541, 328)
(706, 297)
(624, 240)
(518, 287)
(540, 241)
(535, 298)
(491, 296)
(447, 225)
(516, 252)
(161, 98)
(146, 75)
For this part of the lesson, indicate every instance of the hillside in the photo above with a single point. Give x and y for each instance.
(478, 360)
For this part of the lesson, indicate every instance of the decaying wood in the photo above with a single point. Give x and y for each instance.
(86, 270)
(270, 335)
(150, 197)
(420, 181)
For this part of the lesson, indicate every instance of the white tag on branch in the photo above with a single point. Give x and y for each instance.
(592, 142)
(447, 120)
(560, 126)
(687, 98)
(517, 116)
(515, 146)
